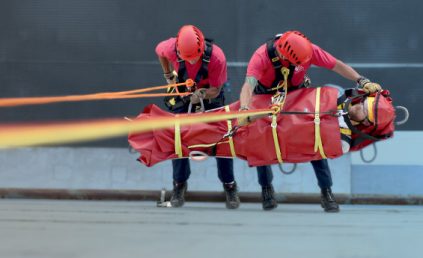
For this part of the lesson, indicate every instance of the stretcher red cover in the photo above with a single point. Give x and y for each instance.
(296, 133)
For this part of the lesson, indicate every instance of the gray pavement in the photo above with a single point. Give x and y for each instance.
(41, 228)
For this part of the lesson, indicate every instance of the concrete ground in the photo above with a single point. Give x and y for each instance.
(65, 229)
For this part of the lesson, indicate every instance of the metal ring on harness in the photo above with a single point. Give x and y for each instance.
(201, 103)
(369, 160)
(287, 172)
(406, 113)
(198, 156)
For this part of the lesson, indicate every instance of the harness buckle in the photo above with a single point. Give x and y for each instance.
(274, 124)
(231, 132)
(317, 120)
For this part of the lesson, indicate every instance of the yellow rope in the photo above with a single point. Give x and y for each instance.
(23, 135)
(230, 141)
(205, 145)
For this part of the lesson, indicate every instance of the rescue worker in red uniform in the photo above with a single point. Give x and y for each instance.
(264, 74)
(191, 56)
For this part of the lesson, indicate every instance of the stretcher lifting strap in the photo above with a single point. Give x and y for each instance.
(275, 138)
(277, 108)
(178, 144)
(231, 141)
(318, 145)
(208, 145)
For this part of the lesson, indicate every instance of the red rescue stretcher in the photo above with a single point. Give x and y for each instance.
(307, 129)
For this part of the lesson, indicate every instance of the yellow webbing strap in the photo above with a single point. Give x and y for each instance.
(206, 145)
(318, 145)
(178, 147)
(231, 141)
(276, 109)
(275, 138)
(345, 131)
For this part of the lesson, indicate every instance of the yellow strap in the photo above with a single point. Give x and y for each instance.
(275, 138)
(279, 107)
(178, 147)
(345, 131)
(318, 145)
(231, 141)
(24, 135)
(205, 145)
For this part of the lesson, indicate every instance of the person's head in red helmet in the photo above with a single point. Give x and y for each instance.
(373, 111)
(190, 43)
(295, 47)
(359, 113)
(381, 111)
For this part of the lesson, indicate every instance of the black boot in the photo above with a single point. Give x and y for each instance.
(232, 198)
(268, 198)
(178, 194)
(328, 201)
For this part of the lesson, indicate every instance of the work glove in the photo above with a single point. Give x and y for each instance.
(197, 95)
(171, 77)
(367, 86)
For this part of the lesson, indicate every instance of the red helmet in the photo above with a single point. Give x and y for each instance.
(294, 46)
(380, 112)
(189, 42)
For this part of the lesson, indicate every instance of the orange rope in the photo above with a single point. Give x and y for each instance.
(13, 102)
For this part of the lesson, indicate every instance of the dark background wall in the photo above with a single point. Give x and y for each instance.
(63, 47)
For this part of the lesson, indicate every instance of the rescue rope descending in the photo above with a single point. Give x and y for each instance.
(130, 94)
(21, 135)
